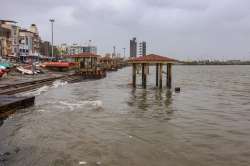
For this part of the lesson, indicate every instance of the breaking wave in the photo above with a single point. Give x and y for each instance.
(92, 104)
(37, 92)
(59, 83)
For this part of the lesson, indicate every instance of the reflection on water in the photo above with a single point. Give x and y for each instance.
(106, 122)
(151, 103)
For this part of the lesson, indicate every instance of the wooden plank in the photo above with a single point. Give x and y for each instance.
(160, 76)
(145, 76)
(169, 76)
(157, 75)
(134, 75)
(142, 74)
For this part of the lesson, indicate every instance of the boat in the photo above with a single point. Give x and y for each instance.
(25, 71)
(60, 66)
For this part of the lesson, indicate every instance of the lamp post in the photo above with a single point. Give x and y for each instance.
(52, 37)
(124, 50)
(114, 53)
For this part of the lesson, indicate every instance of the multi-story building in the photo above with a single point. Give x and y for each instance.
(29, 42)
(133, 47)
(15, 41)
(10, 43)
(4, 39)
(45, 48)
(142, 48)
(36, 40)
(63, 49)
(25, 43)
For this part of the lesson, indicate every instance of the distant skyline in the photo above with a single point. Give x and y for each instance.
(186, 30)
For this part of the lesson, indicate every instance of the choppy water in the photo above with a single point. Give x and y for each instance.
(106, 122)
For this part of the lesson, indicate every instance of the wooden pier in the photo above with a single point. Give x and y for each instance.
(145, 61)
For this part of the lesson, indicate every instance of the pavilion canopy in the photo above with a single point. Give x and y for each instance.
(152, 59)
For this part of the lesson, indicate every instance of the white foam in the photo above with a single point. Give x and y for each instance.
(72, 106)
(41, 110)
(59, 83)
(82, 162)
(56, 84)
(37, 92)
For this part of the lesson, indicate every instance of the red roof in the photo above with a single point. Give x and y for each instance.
(82, 55)
(152, 58)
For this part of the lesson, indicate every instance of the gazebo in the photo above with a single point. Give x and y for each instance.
(87, 64)
(109, 63)
(86, 60)
(158, 61)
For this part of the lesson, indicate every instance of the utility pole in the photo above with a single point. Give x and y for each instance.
(114, 53)
(52, 37)
(124, 52)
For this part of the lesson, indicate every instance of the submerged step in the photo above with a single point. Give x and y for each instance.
(12, 103)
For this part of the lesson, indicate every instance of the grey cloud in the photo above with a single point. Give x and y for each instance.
(179, 28)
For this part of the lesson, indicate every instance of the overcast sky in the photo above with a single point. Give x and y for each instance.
(183, 29)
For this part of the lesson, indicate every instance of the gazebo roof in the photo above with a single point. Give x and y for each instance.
(82, 55)
(152, 58)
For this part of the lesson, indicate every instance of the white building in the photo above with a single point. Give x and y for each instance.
(25, 42)
(29, 42)
(76, 49)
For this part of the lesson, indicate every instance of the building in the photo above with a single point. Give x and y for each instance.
(9, 43)
(36, 40)
(143, 48)
(4, 39)
(25, 43)
(45, 48)
(133, 47)
(63, 49)
(29, 43)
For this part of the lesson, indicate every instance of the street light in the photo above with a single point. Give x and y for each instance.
(52, 37)
(114, 53)
(124, 50)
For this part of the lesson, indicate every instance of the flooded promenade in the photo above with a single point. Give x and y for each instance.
(107, 122)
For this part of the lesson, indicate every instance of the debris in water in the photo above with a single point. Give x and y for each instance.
(177, 89)
(130, 136)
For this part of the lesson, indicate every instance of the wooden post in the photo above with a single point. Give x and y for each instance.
(145, 75)
(160, 76)
(84, 63)
(169, 75)
(91, 60)
(134, 75)
(157, 75)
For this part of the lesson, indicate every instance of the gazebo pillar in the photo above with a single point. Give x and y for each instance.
(91, 61)
(144, 76)
(134, 75)
(160, 76)
(84, 63)
(169, 75)
(157, 74)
